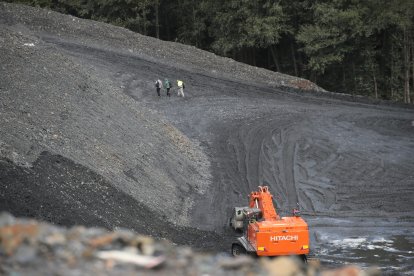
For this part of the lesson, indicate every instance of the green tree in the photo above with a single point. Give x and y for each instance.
(331, 36)
(243, 24)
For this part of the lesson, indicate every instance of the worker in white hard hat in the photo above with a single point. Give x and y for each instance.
(158, 86)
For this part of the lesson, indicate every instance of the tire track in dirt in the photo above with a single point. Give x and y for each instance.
(279, 161)
(264, 152)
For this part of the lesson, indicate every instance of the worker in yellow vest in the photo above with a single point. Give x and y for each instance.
(181, 87)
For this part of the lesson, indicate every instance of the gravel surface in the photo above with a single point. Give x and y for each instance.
(85, 140)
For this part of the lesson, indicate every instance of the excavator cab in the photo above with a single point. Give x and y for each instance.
(264, 232)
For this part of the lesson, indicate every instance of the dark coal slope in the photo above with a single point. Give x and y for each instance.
(84, 92)
(51, 190)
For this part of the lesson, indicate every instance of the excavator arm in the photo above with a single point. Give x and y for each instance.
(262, 200)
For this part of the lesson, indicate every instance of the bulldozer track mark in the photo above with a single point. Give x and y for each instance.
(306, 202)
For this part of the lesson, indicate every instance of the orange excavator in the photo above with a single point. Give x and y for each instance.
(264, 233)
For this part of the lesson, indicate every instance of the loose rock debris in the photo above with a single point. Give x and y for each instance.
(29, 247)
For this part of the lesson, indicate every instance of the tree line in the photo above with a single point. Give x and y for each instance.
(362, 47)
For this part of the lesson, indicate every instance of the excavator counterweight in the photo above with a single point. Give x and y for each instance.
(264, 232)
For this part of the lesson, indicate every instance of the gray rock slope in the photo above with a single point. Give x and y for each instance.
(84, 139)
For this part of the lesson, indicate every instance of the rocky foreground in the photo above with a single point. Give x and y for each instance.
(30, 247)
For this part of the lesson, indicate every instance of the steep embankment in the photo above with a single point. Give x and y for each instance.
(84, 139)
(76, 149)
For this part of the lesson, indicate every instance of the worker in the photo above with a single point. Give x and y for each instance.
(158, 86)
(167, 85)
(181, 87)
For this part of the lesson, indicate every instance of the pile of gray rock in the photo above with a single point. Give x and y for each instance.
(29, 247)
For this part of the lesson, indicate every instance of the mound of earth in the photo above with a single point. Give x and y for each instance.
(85, 140)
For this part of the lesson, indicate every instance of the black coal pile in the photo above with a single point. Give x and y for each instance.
(75, 149)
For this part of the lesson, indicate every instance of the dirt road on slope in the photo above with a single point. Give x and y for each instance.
(184, 163)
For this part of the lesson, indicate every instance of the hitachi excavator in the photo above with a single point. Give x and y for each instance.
(264, 233)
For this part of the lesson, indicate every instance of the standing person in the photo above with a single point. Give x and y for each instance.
(158, 85)
(167, 85)
(181, 87)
